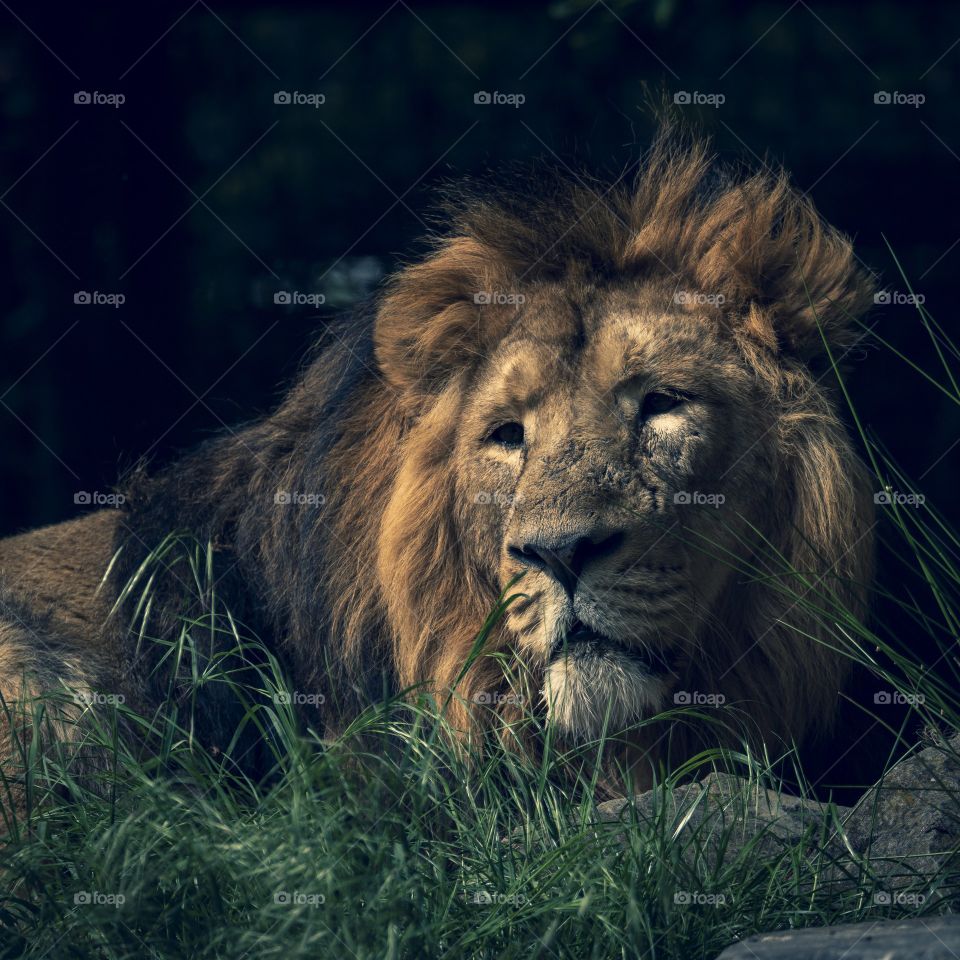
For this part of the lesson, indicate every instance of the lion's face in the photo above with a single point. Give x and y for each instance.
(606, 444)
(667, 473)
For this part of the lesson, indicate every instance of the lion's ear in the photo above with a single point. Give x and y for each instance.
(796, 276)
(433, 319)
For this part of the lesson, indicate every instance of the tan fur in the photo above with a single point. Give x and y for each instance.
(51, 639)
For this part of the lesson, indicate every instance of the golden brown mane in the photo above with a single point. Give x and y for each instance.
(789, 282)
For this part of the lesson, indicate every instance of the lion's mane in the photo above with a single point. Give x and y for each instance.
(385, 586)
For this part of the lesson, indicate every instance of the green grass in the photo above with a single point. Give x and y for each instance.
(391, 842)
(387, 843)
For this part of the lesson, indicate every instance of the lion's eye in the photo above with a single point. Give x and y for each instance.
(654, 403)
(507, 435)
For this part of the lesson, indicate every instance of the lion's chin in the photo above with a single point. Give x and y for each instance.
(590, 686)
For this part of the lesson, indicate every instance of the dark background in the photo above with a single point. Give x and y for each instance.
(199, 197)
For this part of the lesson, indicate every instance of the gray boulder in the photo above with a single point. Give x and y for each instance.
(905, 829)
(923, 938)
(727, 812)
(908, 826)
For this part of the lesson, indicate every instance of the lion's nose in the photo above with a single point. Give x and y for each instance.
(565, 557)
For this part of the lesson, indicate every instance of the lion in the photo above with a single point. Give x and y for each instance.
(607, 406)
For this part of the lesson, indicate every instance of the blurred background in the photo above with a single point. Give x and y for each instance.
(166, 170)
(198, 197)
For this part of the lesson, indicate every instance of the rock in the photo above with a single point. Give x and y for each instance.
(889, 846)
(730, 811)
(923, 938)
(909, 824)
(904, 831)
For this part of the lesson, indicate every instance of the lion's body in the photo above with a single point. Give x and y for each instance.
(50, 579)
(533, 397)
